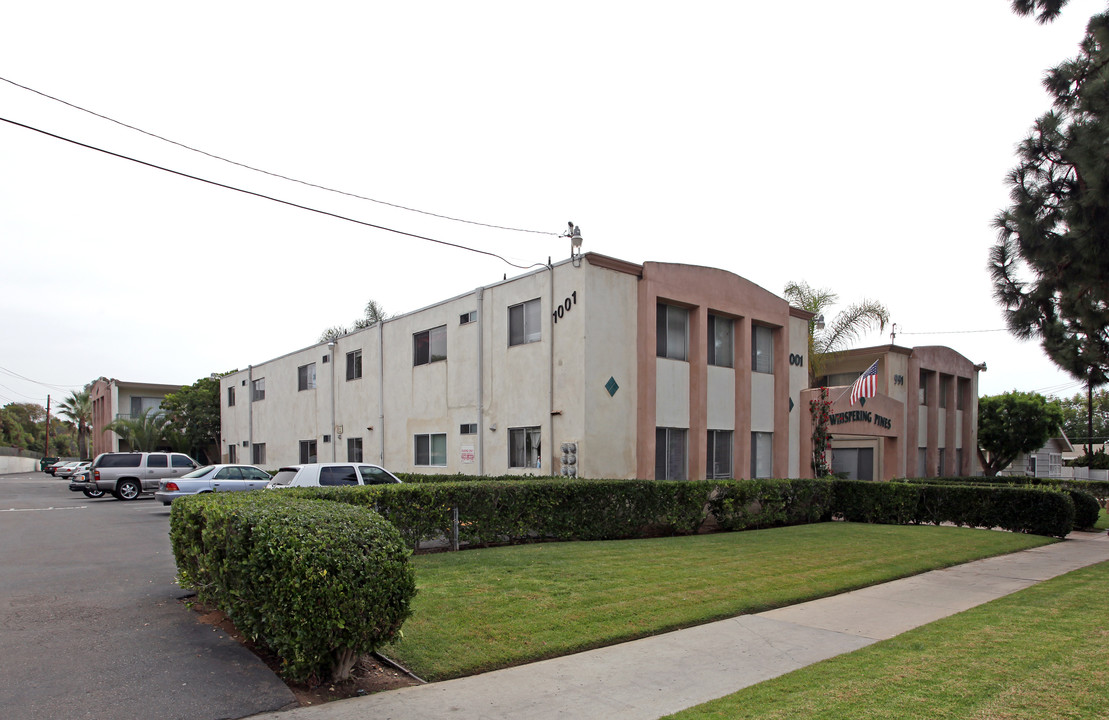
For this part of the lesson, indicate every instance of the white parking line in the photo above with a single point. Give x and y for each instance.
(79, 507)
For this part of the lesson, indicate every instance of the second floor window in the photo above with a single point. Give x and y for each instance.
(672, 332)
(258, 389)
(306, 377)
(720, 341)
(231, 397)
(429, 346)
(762, 349)
(524, 323)
(354, 365)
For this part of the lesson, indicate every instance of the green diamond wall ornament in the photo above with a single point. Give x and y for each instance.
(611, 386)
(791, 404)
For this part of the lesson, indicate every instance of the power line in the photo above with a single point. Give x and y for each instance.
(39, 382)
(271, 198)
(952, 332)
(273, 174)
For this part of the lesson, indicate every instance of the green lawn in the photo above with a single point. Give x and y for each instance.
(1102, 520)
(1039, 653)
(479, 610)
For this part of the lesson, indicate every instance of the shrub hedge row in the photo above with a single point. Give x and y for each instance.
(317, 583)
(557, 509)
(1097, 488)
(1018, 509)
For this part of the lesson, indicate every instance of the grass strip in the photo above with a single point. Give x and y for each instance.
(480, 610)
(1039, 653)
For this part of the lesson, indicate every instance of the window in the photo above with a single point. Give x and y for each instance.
(258, 390)
(325, 359)
(181, 461)
(762, 454)
(719, 455)
(159, 461)
(431, 450)
(229, 473)
(720, 341)
(232, 454)
(945, 383)
(922, 391)
(143, 405)
(231, 396)
(467, 317)
(306, 377)
(258, 454)
(854, 463)
(942, 454)
(429, 346)
(960, 393)
(354, 449)
(332, 475)
(308, 451)
(922, 462)
(375, 476)
(467, 429)
(672, 332)
(762, 349)
(670, 453)
(523, 448)
(958, 462)
(523, 323)
(354, 365)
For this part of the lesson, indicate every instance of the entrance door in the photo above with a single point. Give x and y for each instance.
(855, 463)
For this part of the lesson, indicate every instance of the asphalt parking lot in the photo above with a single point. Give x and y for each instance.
(92, 621)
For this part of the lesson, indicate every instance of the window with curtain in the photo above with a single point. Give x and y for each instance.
(762, 349)
(524, 448)
(719, 454)
(670, 453)
(762, 454)
(672, 332)
(721, 344)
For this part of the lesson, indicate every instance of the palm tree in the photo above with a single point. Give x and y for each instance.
(143, 433)
(78, 408)
(844, 329)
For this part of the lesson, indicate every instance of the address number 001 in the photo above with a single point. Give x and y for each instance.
(565, 307)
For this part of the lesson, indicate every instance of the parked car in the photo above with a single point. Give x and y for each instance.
(53, 467)
(70, 469)
(128, 475)
(331, 474)
(212, 478)
(81, 481)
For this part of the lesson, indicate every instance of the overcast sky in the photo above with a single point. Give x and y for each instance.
(859, 147)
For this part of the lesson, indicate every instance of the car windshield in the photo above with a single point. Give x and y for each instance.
(284, 476)
(199, 472)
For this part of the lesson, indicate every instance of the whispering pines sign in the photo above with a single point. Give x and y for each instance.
(860, 416)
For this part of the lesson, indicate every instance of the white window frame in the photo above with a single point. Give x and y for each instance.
(306, 377)
(354, 364)
(719, 454)
(434, 446)
(525, 322)
(525, 447)
(762, 349)
(258, 389)
(668, 443)
(762, 455)
(672, 332)
(721, 341)
(355, 444)
(434, 343)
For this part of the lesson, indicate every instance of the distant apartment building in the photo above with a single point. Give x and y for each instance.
(118, 399)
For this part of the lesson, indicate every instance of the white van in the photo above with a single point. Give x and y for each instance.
(331, 475)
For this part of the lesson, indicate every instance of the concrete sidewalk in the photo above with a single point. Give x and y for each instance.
(648, 678)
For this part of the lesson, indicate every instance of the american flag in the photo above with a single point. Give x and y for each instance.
(866, 385)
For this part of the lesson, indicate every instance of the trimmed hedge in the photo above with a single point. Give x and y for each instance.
(561, 509)
(1097, 488)
(317, 583)
(1028, 510)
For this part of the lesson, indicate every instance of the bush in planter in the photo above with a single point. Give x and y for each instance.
(319, 583)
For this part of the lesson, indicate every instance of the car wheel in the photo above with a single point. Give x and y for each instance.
(128, 490)
(94, 493)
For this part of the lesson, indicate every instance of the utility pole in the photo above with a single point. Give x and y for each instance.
(46, 446)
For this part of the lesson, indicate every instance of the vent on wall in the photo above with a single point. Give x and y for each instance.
(327, 438)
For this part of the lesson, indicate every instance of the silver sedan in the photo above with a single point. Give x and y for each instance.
(212, 478)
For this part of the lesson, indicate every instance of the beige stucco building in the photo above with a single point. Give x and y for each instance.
(593, 367)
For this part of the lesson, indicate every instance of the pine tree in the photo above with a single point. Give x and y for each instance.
(1050, 266)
